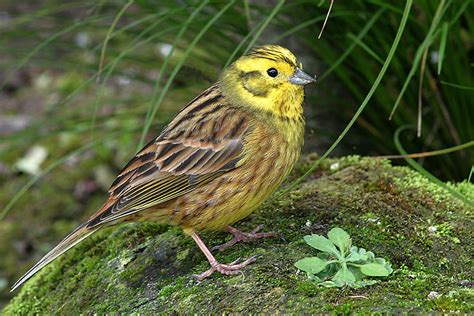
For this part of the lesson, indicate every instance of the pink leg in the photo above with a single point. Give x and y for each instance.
(227, 269)
(240, 236)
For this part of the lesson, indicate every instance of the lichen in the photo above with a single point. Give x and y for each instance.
(147, 268)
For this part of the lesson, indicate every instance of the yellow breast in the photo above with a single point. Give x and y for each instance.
(269, 155)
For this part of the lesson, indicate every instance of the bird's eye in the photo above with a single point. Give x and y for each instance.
(272, 72)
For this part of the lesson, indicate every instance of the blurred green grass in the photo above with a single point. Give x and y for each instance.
(444, 114)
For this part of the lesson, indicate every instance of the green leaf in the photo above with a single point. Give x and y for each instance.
(354, 255)
(383, 262)
(374, 269)
(314, 278)
(331, 284)
(340, 238)
(321, 243)
(380, 261)
(345, 276)
(370, 256)
(311, 265)
(363, 254)
(328, 272)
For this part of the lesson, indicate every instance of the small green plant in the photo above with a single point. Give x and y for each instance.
(341, 264)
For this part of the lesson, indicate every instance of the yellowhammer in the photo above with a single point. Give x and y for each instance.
(217, 160)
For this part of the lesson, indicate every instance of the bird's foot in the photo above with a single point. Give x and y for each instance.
(226, 269)
(240, 236)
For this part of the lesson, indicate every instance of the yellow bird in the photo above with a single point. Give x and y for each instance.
(216, 161)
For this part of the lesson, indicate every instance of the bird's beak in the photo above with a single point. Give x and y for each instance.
(301, 78)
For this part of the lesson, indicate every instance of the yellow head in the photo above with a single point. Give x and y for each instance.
(268, 78)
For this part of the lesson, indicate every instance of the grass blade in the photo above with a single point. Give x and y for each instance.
(307, 23)
(359, 37)
(109, 33)
(457, 85)
(425, 172)
(442, 46)
(265, 24)
(430, 153)
(365, 47)
(326, 19)
(424, 46)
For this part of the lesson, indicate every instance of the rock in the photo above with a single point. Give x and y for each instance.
(144, 268)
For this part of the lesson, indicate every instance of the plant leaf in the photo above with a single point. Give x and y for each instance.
(363, 254)
(344, 275)
(354, 255)
(321, 243)
(340, 238)
(311, 265)
(383, 262)
(331, 284)
(314, 278)
(374, 269)
(380, 261)
(370, 256)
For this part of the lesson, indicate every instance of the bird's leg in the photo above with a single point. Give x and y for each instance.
(240, 236)
(227, 269)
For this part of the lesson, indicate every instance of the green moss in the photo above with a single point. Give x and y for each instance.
(465, 188)
(147, 268)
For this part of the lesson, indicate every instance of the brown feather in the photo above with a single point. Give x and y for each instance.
(174, 164)
(67, 243)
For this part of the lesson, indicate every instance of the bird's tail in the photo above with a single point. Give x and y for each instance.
(67, 243)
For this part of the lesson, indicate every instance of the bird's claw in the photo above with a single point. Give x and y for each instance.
(227, 269)
(240, 236)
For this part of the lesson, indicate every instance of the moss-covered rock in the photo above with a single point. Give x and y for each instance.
(393, 211)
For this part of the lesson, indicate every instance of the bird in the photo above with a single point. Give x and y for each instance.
(219, 159)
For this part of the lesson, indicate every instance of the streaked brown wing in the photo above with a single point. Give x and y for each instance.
(204, 141)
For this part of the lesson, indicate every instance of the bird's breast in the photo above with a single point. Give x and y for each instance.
(268, 157)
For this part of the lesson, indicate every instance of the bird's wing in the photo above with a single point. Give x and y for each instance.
(204, 141)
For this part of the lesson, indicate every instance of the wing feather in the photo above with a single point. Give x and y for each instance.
(198, 146)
